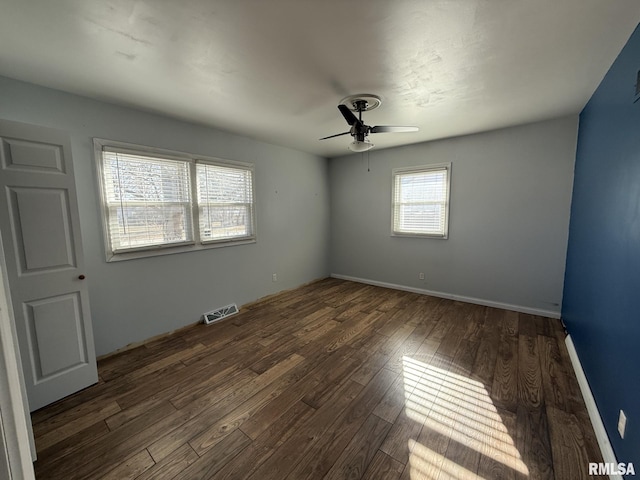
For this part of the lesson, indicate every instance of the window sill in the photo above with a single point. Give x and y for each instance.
(119, 257)
(419, 235)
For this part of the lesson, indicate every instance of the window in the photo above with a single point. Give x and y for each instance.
(148, 201)
(421, 201)
(225, 202)
(158, 202)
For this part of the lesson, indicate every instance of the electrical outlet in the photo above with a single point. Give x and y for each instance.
(622, 423)
(274, 277)
(421, 276)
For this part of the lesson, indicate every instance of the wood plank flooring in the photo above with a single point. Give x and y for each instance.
(333, 380)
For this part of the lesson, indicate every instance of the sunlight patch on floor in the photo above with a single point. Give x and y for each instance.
(459, 408)
(427, 464)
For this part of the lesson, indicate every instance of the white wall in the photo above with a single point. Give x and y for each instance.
(137, 299)
(509, 217)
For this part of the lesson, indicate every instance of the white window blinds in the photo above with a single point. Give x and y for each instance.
(148, 201)
(154, 199)
(225, 202)
(421, 201)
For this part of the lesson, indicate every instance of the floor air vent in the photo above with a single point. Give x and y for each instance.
(217, 315)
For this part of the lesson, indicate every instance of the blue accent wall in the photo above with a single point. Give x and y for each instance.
(601, 305)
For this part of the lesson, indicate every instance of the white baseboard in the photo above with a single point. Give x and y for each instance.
(450, 296)
(596, 420)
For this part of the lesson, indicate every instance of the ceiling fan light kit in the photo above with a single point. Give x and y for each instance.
(363, 102)
(358, 146)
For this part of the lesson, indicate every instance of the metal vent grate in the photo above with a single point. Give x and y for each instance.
(217, 315)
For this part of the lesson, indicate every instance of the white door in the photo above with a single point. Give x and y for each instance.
(39, 222)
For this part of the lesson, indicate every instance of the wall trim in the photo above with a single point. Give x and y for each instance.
(608, 454)
(451, 296)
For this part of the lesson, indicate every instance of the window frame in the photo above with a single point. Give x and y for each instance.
(252, 205)
(192, 160)
(421, 169)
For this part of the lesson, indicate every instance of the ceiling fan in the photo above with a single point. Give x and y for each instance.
(359, 131)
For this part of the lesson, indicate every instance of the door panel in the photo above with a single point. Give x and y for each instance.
(55, 335)
(43, 250)
(32, 155)
(40, 220)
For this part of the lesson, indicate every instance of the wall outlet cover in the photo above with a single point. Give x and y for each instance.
(622, 423)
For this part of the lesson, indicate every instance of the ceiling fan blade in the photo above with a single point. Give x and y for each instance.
(392, 129)
(348, 114)
(336, 135)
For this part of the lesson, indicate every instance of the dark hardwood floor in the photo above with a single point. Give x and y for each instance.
(333, 380)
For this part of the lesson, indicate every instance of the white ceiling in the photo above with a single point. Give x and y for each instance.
(276, 70)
